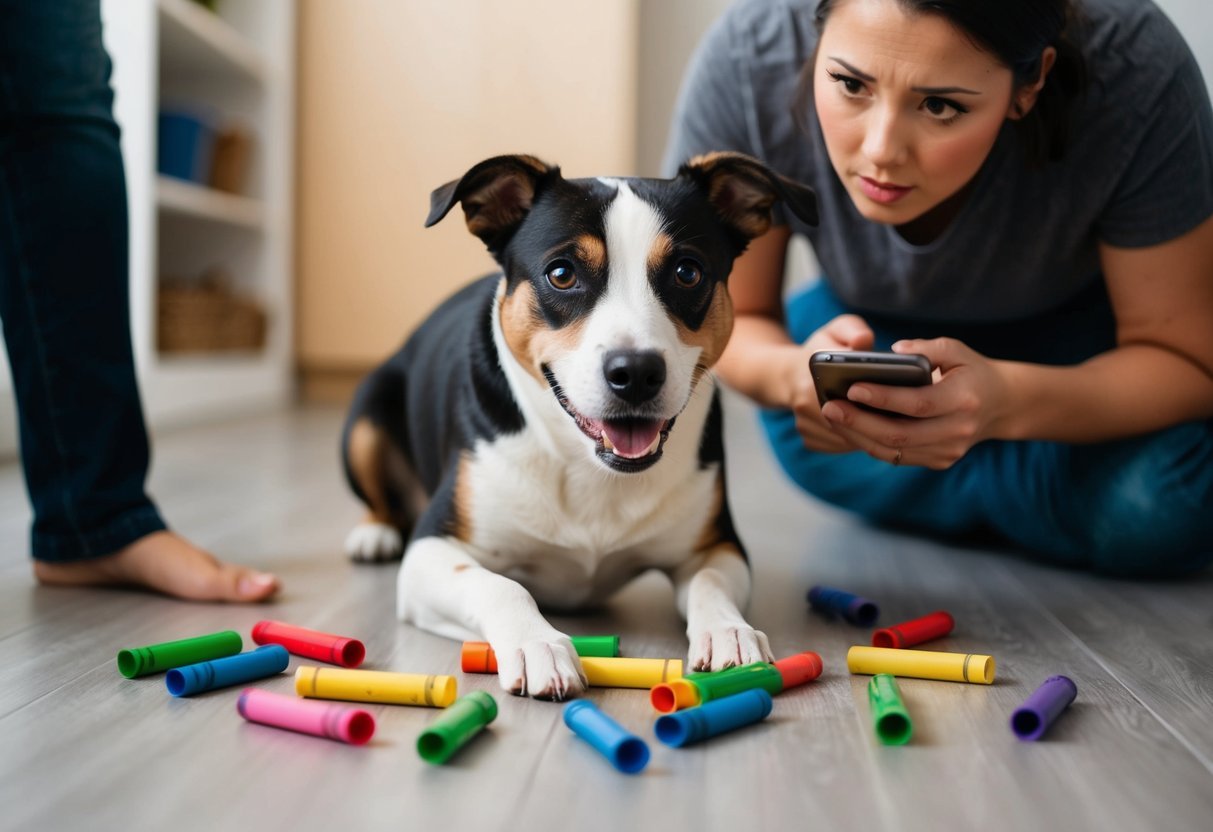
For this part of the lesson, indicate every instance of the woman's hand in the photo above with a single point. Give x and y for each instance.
(846, 332)
(963, 407)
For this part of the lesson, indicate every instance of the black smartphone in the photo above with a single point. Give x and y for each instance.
(834, 371)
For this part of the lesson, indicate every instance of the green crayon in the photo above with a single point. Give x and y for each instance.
(889, 713)
(456, 726)
(606, 647)
(736, 679)
(140, 661)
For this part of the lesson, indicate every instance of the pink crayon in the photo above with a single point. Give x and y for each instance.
(307, 716)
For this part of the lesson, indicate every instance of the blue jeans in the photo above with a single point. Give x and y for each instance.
(64, 296)
(1140, 507)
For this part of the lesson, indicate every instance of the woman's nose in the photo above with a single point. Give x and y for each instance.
(883, 144)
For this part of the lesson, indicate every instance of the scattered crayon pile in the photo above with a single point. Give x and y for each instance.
(691, 707)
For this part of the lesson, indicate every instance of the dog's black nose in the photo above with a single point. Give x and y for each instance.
(635, 376)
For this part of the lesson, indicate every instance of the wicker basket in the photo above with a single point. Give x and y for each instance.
(207, 316)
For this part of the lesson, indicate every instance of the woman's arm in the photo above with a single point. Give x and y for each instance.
(759, 355)
(1159, 374)
(1161, 371)
(761, 361)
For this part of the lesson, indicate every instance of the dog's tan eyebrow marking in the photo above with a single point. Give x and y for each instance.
(660, 251)
(592, 251)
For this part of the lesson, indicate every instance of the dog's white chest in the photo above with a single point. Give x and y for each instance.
(572, 533)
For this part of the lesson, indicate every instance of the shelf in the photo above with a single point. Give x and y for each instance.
(196, 42)
(180, 197)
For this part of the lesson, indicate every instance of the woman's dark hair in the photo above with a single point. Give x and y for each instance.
(1016, 32)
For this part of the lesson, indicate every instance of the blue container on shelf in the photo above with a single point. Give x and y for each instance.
(185, 146)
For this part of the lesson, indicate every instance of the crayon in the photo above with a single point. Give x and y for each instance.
(799, 668)
(336, 722)
(794, 670)
(140, 661)
(223, 673)
(713, 718)
(1039, 711)
(323, 647)
(375, 686)
(674, 695)
(748, 676)
(908, 633)
(478, 656)
(889, 714)
(922, 664)
(627, 752)
(456, 726)
(630, 673)
(859, 611)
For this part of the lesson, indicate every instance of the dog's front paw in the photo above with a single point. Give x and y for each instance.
(545, 668)
(374, 542)
(727, 645)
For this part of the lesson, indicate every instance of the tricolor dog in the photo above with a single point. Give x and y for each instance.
(553, 431)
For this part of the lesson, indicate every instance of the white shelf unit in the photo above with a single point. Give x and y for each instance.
(238, 65)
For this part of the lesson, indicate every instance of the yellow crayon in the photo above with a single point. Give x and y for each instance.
(630, 673)
(922, 664)
(375, 686)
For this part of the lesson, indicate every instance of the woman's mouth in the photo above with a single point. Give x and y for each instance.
(886, 193)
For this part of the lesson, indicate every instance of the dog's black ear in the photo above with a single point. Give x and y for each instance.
(496, 196)
(743, 191)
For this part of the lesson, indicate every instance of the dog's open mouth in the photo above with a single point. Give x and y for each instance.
(628, 444)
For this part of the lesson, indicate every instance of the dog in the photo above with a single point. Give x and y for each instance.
(553, 430)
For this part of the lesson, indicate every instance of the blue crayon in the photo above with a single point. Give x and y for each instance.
(233, 670)
(711, 718)
(627, 752)
(859, 611)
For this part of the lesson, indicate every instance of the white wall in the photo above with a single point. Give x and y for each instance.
(1194, 18)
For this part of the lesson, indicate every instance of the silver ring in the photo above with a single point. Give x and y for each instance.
(897, 459)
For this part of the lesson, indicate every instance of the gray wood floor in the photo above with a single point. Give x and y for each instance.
(84, 748)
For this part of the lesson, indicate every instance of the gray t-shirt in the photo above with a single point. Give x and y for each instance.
(1138, 172)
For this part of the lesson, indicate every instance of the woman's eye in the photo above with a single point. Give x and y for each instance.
(687, 274)
(942, 109)
(561, 275)
(852, 86)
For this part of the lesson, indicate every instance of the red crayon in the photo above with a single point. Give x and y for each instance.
(799, 668)
(347, 652)
(935, 625)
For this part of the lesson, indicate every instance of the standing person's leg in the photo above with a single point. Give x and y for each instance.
(1134, 508)
(64, 299)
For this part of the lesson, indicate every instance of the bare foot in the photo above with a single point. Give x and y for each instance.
(167, 563)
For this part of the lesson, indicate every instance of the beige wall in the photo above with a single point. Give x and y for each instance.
(396, 98)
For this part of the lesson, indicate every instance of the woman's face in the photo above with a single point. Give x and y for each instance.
(908, 105)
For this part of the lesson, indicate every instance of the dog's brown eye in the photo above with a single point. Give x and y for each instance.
(687, 274)
(561, 275)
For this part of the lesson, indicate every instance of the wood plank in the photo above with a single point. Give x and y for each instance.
(98, 750)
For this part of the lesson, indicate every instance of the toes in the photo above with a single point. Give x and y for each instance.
(511, 670)
(374, 542)
(543, 669)
(728, 647)
(700, 657)
(255, 586)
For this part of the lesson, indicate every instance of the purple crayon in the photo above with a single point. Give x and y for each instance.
(859, 611)
(1041, 709)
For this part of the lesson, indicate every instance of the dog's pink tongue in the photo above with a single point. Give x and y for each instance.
(631, 439)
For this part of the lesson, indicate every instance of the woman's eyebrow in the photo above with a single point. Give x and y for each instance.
(863, 76)
(858, 73)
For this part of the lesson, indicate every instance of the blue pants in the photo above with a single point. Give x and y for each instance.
(64, 294)
(1140, 507)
